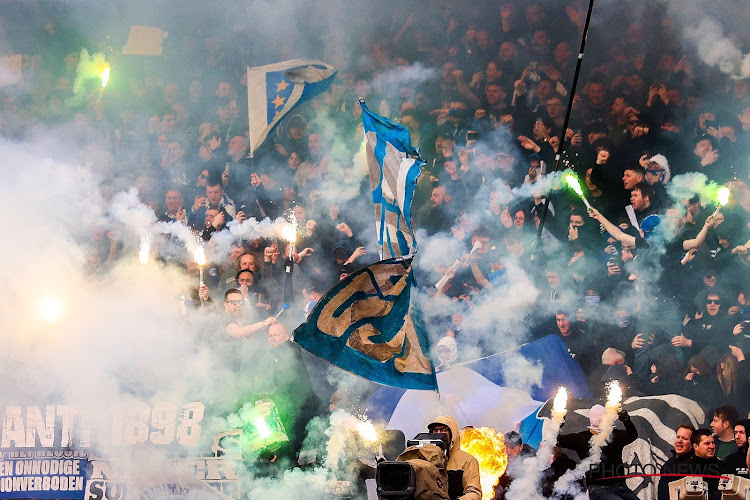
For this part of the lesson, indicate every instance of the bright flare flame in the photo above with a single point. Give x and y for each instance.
(560, 403)
(145, 250)
(489, 450)
(105, 76)
(200, 256)
(367, 431)
(723, 195)
(574, 184)
(262, 428)
(614, 394)
(289, 233)
(51, 308)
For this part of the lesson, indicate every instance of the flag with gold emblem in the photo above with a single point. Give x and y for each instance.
(365, 325)
(275, 89)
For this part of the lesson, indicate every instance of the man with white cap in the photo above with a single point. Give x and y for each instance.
(601, 478)
(657, 175)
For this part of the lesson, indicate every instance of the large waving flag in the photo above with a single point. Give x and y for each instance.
(363, 325)
(275, 89)
(394, 167)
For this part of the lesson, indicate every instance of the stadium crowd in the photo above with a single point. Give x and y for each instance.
(659, 300)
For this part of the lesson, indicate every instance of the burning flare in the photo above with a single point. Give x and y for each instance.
(560, 403)
(51, 308)
(289, 233)
(576, 186)
(489, 450)
(145, 250)
(200, 256)
(614, 394)
(105, 75)
(367, 431)
(262, 427)
(723, 195)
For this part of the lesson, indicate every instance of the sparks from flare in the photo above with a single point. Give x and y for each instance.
(614, 394)
(289, 233)
(576, 186)
(489, 449)
(367, 431)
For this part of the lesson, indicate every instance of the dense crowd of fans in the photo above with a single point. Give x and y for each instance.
(659, 300)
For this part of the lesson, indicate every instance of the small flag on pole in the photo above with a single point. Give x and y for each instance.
(275, 89)
(394, 167)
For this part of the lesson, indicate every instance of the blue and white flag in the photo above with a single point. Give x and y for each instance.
(394, 167)
(275, 89)
(363, 324)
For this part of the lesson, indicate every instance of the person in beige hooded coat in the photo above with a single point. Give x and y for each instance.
(459, 459)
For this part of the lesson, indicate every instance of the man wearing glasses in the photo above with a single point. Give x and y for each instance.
(234, 307)
(709, 326)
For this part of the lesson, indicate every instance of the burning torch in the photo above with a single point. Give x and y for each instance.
(559, 405)
(145, 250)
(367, 431)
(105, 79)
(723, 195)
(290, 235)
(614, 395)
(105, 75)
(200, 258)
(576, 186)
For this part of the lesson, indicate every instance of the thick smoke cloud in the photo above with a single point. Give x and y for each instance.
(71, 201)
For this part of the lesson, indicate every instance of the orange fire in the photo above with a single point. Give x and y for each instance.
(488, 448)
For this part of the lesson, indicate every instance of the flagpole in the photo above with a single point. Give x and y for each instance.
(489, 356)
(568, 111)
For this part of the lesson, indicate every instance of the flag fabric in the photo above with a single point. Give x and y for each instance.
(394, 167)
(464, 394)
(275, 89)
(363, 324)
(655, 417)
(471, 391)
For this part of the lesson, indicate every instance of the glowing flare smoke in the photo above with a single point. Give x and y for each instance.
(723, 195)
(367, 431)
(145, 250)
(614, 394)
(105, 76)
(489, 450)
(262, 428)
(560, 403)
(51, 308)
